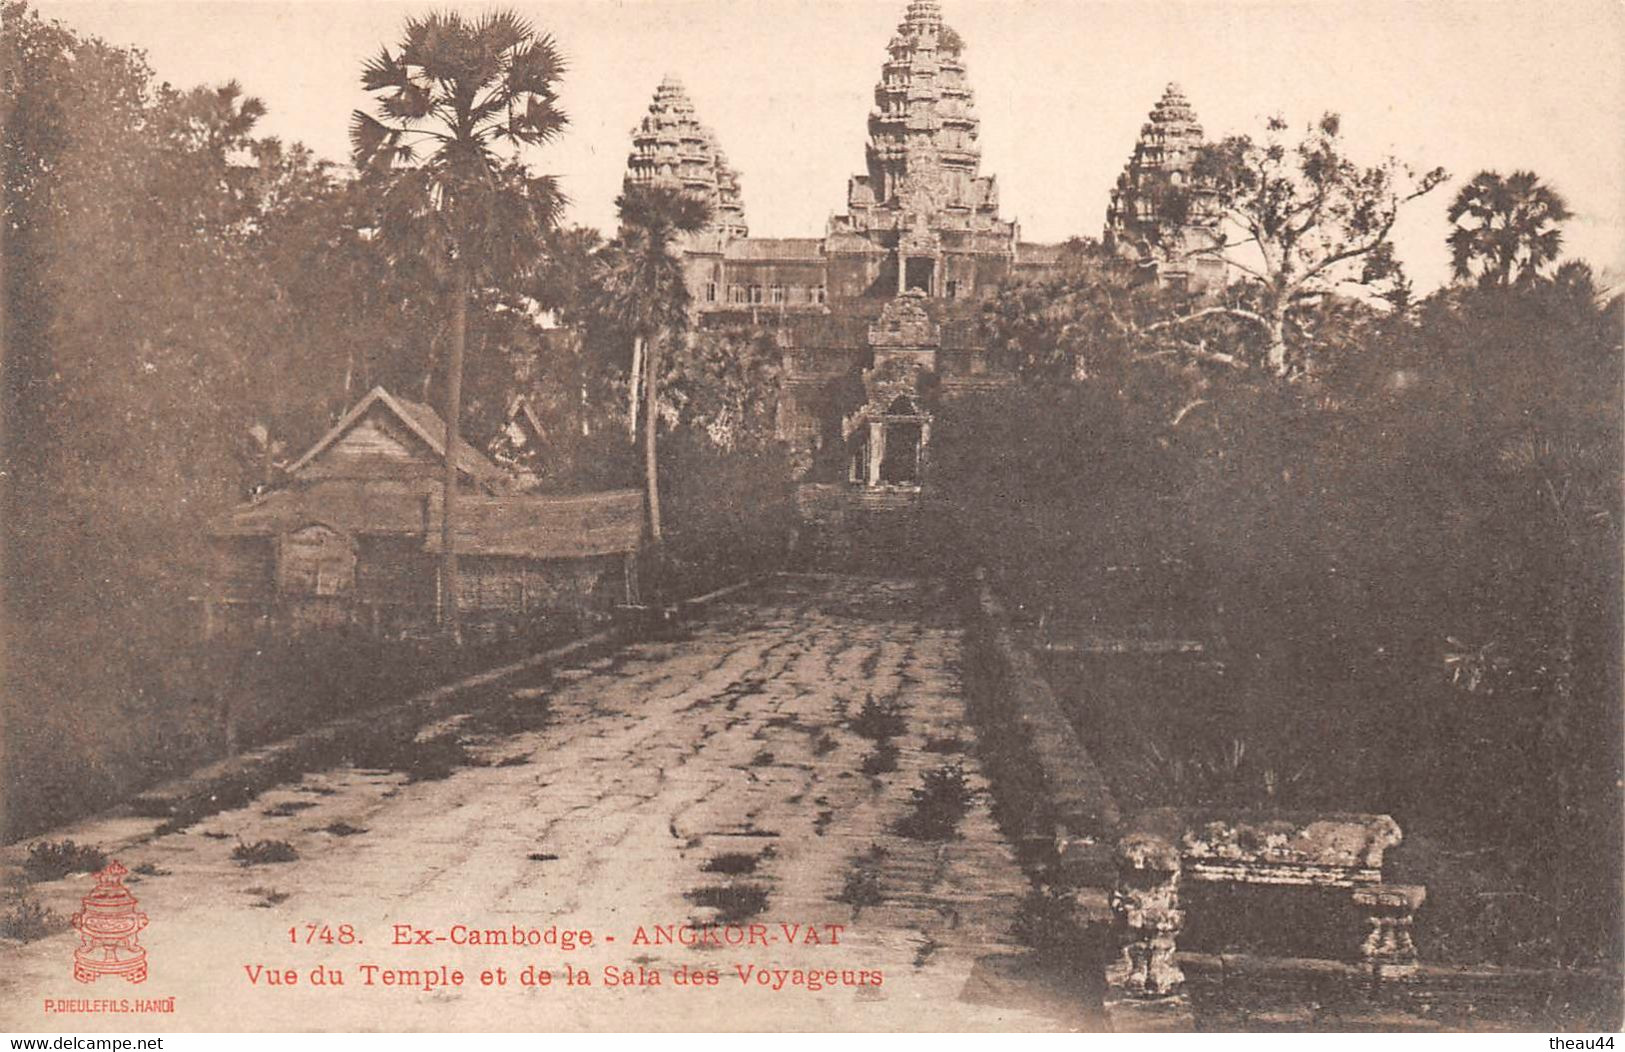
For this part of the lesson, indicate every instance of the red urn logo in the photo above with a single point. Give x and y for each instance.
(109, 924)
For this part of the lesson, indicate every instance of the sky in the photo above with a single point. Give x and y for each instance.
(1062, 88)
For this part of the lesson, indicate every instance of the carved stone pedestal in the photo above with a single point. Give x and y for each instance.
(1146, 904)
(1390, 910)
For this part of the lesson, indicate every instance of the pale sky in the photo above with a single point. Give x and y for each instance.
(1062, 88)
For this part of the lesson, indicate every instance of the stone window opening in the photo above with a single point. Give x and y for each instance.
(776, 293)
(710, 292)
(756, 293)
(900, 459)
(918, 274)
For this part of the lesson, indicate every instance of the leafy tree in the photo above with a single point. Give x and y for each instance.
(1505, 228)
(644, 296)
(1299, 223)
(724, 383)
(453, 91)
(1097, 317)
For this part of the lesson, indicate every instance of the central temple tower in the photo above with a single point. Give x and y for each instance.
(923, 218)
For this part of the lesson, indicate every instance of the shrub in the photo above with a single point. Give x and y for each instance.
(26, 920)
(862, 888)
(878, 720)
(939, 804)
(1047, 921)
(881, 760)
(55, 859)
(264, 852)
(733, 902)
(732, 863)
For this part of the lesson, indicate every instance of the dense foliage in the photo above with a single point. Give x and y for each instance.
(188, 305)
(1405, 564)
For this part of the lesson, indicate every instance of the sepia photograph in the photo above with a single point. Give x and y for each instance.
(771, 516)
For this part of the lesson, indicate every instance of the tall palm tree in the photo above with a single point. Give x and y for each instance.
(1505, 228)
(453, 91)
(643, 294)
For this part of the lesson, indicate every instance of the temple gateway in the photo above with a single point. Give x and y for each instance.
(879, 318)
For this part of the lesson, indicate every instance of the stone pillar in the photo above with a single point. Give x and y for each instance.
(1390, 910)
(1146, 905)
(877, 450)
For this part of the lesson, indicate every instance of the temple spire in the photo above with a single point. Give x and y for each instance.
(1160, 211)
(670, 147)
(923, 155)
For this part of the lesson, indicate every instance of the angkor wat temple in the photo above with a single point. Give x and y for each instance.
(885, 305)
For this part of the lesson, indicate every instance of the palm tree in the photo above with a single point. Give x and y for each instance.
(643, 294)
(455, 89)
(1505, 228)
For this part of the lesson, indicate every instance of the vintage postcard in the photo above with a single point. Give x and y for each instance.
(897, 516)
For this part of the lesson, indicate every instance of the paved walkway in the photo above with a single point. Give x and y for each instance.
(613, 797)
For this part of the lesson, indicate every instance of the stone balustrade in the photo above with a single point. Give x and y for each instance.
(1161, 851)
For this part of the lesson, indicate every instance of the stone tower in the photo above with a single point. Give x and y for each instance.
(670, 147)
(923, 217)
(923, 155)
(1160, 214)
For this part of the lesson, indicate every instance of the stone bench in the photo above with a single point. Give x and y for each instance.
(1158, 851)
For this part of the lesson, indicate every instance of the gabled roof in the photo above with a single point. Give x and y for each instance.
(421, 420)
(521, 409)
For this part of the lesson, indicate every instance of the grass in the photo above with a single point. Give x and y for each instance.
(342, 829)
(55, 859)
(288, 809)
(732, 863)
(878, 720)
(511, 716)
(26, 920)
(939, 803)
(264, 852)
(269, 897)
(1046, 920)
(421, 760)
(733, 902)
(881, 760)
(863, 887)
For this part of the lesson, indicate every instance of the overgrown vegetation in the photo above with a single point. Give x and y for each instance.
(167, 262)
(1403, 559)
(1047, 920)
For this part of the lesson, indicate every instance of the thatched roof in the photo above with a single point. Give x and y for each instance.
(379, 482)
(421, 420)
